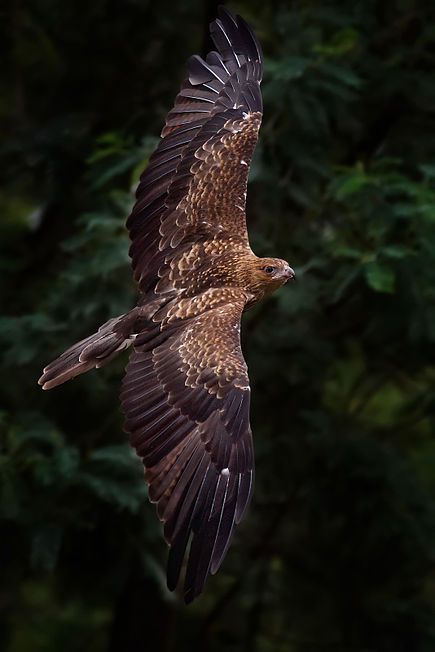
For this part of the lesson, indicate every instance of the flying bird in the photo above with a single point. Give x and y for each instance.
(186, 394)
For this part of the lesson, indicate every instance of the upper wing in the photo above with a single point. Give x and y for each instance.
(193, 191)
(186, 400)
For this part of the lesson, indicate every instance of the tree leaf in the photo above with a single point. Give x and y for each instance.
(380, 277)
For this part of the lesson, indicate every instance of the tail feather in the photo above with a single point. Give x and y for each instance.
(94, 351)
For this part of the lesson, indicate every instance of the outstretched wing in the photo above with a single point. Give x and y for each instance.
(192, 195)
(186, 401)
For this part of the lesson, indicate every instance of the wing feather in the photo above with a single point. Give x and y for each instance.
(211, 129)
(186, 405)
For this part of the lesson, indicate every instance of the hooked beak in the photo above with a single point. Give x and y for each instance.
(288, 273)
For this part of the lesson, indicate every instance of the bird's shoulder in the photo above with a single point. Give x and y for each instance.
(215, 262)
(212, 304)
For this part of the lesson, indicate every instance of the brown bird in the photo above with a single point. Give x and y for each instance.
(186, 391)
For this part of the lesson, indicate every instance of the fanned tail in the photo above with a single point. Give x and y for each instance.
(94, 351)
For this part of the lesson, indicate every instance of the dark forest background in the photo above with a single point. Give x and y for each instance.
(337, 551)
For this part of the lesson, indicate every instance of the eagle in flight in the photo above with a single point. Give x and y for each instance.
(185, 394)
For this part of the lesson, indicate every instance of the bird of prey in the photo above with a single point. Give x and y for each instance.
(186, 394)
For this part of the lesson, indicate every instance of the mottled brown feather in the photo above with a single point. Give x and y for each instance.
(194, 188)
(186, 392)
(186, 403)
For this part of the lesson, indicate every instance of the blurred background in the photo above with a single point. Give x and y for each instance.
(337, 551)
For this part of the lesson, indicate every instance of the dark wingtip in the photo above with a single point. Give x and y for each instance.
(236, 25)
(172, 572)
(249, 36)
(224, 13)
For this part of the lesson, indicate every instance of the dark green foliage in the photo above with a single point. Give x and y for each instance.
(337, 551)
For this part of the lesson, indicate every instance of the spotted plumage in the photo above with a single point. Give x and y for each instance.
(186, 392)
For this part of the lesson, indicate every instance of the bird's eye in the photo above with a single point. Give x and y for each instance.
(269, 269)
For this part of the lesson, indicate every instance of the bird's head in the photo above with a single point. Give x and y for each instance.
(269, 274)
